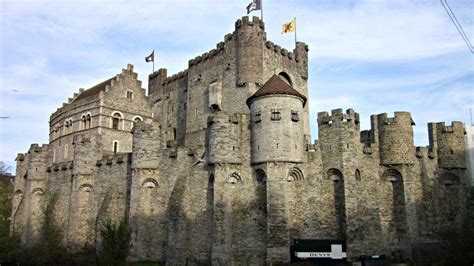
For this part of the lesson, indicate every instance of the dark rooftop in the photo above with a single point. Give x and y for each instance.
(275, 85)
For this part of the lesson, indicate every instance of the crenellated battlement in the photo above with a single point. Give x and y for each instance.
(399, 118)
(255, 23)
(455, 126)
(448, 143)
(36, 148)
(338, 116)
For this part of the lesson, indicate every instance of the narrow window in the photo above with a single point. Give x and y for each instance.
(174, 133)
(88, 121)
(129, 95)
(276, 114)
(115, 146)
(83, 122)
(258, 117)
(294, 116)
(116, 121)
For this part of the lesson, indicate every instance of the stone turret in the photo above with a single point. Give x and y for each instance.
(224, 138)
(448, 143)
(250, 37)
(396, 139)
(277, 132)
(339, 137)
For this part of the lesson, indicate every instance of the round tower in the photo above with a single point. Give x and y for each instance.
(277, 126)
(448, 142)
(396, 139)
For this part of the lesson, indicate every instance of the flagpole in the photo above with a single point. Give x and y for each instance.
(295, 30)
(261, 10)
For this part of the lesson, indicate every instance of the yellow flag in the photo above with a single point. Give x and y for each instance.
(288, 27)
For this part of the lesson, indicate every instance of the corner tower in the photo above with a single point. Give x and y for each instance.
(277, 132)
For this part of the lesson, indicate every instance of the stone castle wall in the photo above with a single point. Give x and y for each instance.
(201, 181)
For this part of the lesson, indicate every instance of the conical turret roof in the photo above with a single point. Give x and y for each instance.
(275, 85)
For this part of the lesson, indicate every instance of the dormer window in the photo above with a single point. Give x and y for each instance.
(276, 114)
(294, 116)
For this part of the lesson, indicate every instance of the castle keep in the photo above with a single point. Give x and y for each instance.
(216, 165)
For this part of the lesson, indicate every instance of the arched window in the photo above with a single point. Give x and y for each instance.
(88, 120)
(115, 146)
(83, 122)
(453, 191)
(285, 77)
(136, 119)
(261, 176)
(339, 200)
(357, 175)
(116, 118)
(395, 192)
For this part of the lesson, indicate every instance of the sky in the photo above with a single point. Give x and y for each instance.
(375, 56)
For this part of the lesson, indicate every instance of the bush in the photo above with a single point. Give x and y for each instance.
(116, 242)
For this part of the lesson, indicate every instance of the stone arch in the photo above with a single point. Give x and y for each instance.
(136, 119)
(452, 190)
(86, 188)
(117, 120)
(261, 176)
(339, 200)
(149, 183)
(334, 175)
(19, 193)
(393, 187)
(295, 174)
(234, 178)
(285, 77)
(392, 175)
(37, 191)
(449, 179)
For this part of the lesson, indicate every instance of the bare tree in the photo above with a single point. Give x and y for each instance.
(4, 168)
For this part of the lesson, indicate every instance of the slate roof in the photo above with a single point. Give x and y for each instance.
(275, 85)
(94, 90)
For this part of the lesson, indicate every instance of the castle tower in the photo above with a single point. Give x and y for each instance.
(146, 202)
(224, 134)
(82, 211)
(448, 143)
(396, 139)
(250, 41)
(277, 137)
(277, 131)
(339, 138)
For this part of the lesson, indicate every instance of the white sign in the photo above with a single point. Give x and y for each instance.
(336, 253)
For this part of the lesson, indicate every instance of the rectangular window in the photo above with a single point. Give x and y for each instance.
(294, 116)
(129, 95)
(258, 117)
(276, 115)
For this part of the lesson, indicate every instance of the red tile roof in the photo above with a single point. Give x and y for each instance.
(275, 85)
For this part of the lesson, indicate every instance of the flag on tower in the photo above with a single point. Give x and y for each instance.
(288, 27)
(254, 5)
(151, 57)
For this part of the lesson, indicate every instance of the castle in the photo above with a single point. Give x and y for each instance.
(216, 165)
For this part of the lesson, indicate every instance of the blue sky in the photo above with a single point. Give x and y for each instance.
(372, 56)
